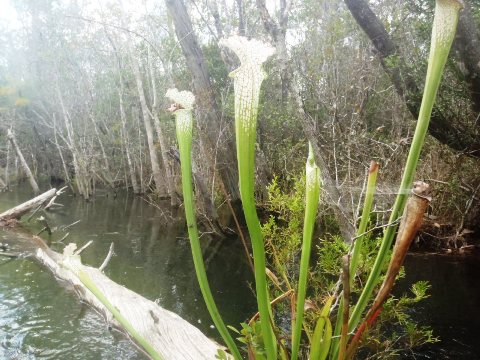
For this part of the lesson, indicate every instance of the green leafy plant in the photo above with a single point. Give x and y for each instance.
(263, 340)
(251, 336)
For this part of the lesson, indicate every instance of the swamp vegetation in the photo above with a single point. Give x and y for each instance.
(380, 98)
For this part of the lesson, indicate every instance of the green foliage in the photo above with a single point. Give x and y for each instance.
(221, 355)
(251, 337)
(392, 61)
(368, 257)
(11, 97)
(216, 66)
(330, 252)
(280, 236)
(283, 230)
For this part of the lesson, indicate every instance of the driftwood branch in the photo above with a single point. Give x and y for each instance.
(79, 251)
(22, 209)
(107, 259)
(52, 200)
(63, 238)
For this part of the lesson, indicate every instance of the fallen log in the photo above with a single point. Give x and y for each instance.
(160, 333)
(22, 209)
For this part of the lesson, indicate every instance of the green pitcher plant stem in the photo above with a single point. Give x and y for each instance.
(312, 194)
(358, 244)
(182, 109)
(362, 227)
(322, 335)
(443, 32)
(248, 79)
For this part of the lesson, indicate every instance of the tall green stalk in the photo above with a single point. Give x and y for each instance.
(312, 193)
(358, 244)
(443, 32)
(182, 109)
(362, 227)
(248, 79)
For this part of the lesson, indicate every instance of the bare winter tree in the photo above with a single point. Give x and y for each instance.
(277, 31)
(447, 130)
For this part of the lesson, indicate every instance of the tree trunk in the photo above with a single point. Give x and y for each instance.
(131, 167)
(241, 17)
(7, 166)
(16, 170)
(102, 148)
(213, 7)
(468, 44)
(81, 179)
(27, 170)
(157, 175)
(278, 33)
(208, 114)
(139, 167)
(123, 117)
(441, 127)
(57, 145)
(161, 138)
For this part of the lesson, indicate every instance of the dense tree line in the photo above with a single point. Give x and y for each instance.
(82, 89)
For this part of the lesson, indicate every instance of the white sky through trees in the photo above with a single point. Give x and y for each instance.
(8, 15)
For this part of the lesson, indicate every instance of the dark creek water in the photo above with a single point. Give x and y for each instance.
(39, 319)
(453, 309)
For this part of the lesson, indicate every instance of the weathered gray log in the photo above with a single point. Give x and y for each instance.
(171, 336)
(22, 209)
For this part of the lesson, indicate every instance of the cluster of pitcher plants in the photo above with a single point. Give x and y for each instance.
(341, 323)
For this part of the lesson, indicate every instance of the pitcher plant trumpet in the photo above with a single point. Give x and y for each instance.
(182, 108)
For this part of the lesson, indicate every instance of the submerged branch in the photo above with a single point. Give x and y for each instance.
(107, 259)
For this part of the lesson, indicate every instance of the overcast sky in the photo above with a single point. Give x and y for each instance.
(8, 15)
